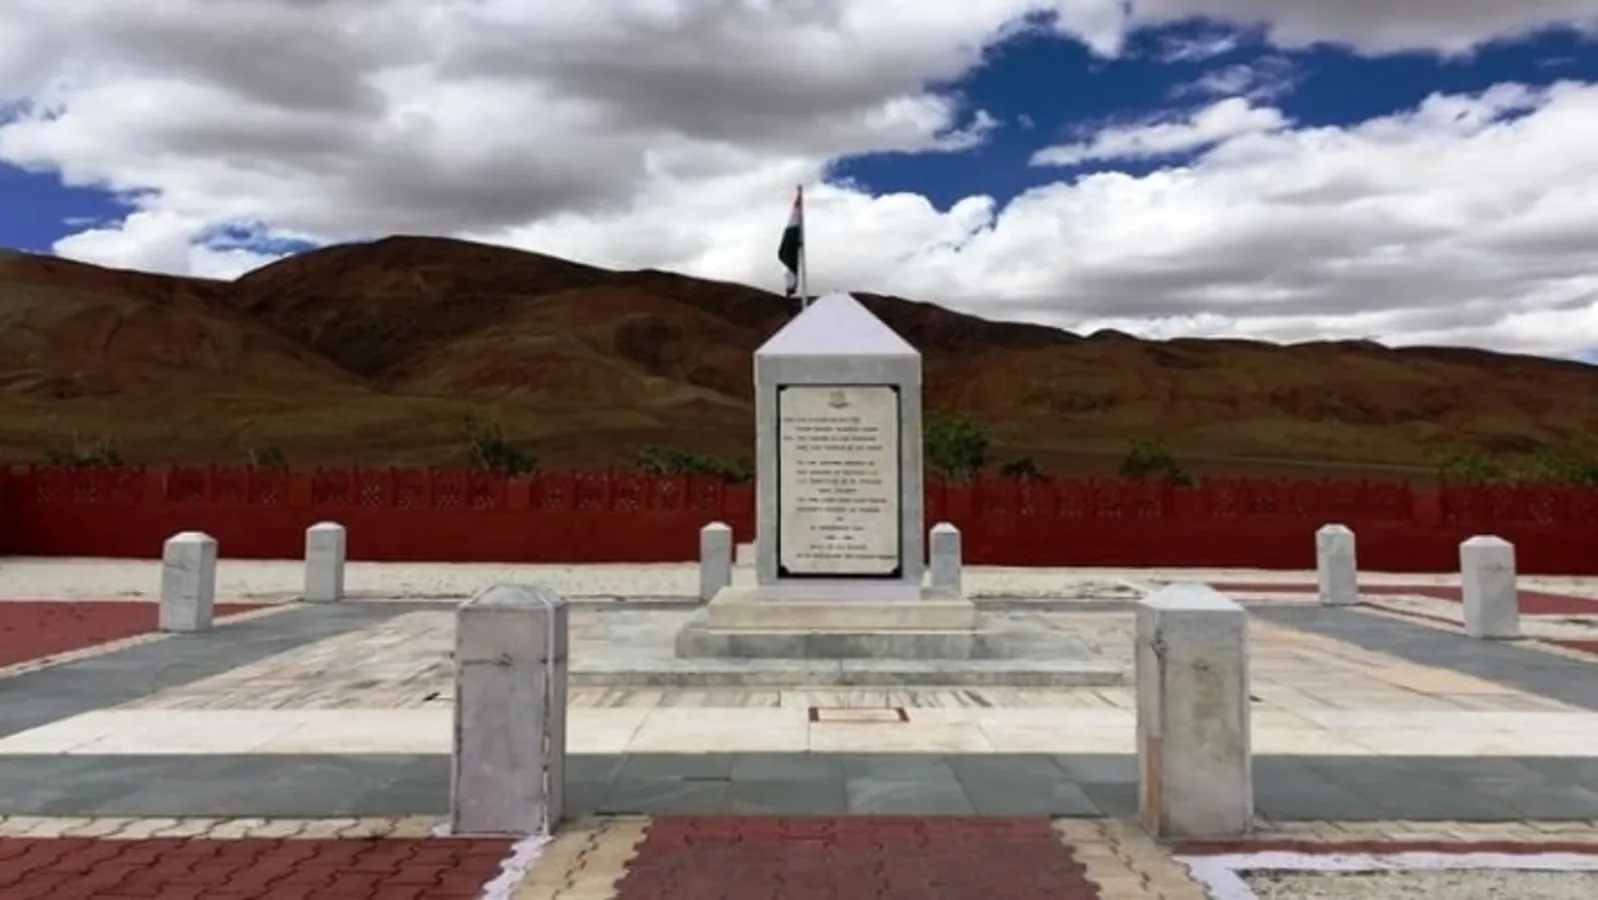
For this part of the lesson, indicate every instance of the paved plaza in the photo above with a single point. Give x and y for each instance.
(302, 750)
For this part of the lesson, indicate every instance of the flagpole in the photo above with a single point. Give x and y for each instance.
(804, 257)
(804, 278)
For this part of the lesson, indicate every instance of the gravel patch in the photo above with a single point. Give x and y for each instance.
(1463, 884)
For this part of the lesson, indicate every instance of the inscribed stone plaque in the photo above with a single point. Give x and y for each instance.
(838, 481)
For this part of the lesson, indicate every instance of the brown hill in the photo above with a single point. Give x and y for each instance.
(384, 352)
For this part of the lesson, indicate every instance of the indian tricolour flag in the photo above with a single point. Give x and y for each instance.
(791, 251)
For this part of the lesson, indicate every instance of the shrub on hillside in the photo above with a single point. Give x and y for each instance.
(955, 448)
(1552, 466)
(490, 449)
(1151, 459)
(270, 457)
(675, 461)
(103, 452)
(1023, 469)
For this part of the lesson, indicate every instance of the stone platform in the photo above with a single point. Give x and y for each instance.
(934, 639)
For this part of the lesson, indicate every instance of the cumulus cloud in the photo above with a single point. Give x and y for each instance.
(1265, 79)
(640, 133)
(1230, 118)
(1381, 26)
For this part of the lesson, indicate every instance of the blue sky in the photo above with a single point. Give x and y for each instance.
(1042, 87)
(1418, 179)
(1329, 86)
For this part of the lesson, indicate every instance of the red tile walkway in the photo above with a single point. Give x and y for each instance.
(185, 869)
(853, 858)
(1532, 603)
(35, 629)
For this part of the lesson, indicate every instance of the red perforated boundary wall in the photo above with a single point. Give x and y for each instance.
(615, 516)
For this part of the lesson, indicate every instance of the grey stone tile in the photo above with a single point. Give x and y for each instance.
(1113, 799)
(121, 676)
(601, 767)
(1098, 768)
(679, 766)
(810, 797)
(896, 766)
(675, 796)
(1519, 666)
(787, 767)
(1027, 796)
(1039, 767)
(1405, 788)
(921, 797)
(584, 798)
(1302, 796)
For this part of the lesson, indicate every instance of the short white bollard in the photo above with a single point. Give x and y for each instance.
(1336, 567)
(746, 554)
(1487, 581)
(324, 562)
(715, 560)
(509, 767)
(1195, 765)
(944, 546)
(188, 582)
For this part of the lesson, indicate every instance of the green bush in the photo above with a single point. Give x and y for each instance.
(103, 452)
(1023, 469)
(1151, 459)
(1555, 466)
(490, 449)
(271, 457)
(674, 461)
(956, 448)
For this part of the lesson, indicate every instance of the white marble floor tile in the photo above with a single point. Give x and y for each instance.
(1063, 720)
(675, 730)
(1008, 738)
(1306, 742)
(184, 732)
(603, 730)
(366, 731)
(63, 736)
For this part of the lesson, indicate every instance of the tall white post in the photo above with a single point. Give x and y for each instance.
(1487, 581)
(509, 766)
(324, 562)
(188, 582)
(1336, 568)
(1195, 762)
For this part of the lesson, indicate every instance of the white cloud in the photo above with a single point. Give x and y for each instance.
(644, 133)
(1265, 79)
(1197, 48)
(1381, 26)
(1227, 119)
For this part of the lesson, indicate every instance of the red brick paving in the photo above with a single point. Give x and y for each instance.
(35, 629)
(853, 858)
(1532, 603)
(188, 869)
(1379, 847)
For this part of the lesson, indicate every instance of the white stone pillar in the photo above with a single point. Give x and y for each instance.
(715, 559)
(1195, 768)
(188, 582)
(1336, 567)
(509, 765)
(1487, 580)
(324, 562)
(944, 544)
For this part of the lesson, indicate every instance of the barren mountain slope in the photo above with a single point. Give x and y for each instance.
(384, 352)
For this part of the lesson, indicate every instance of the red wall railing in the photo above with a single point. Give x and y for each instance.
(583, 517)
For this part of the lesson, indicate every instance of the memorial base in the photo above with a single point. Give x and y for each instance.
(751, 623)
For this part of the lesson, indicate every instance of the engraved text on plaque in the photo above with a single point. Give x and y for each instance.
(838, 480)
